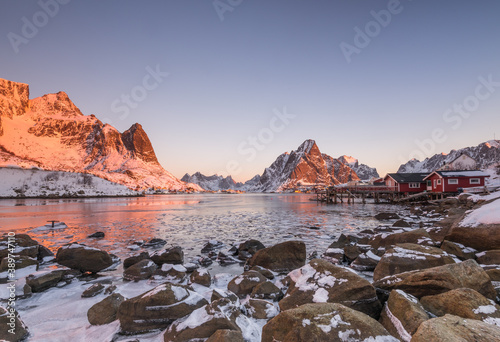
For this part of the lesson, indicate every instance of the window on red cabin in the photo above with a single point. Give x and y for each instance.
(439, 181)
(414, 185)
(475, 181)
(453, 181)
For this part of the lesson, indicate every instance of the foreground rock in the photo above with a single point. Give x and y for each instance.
(105, 311)
(20, 261)
(465, 303)
(402, 315)
(24, 245)
(408, 257)
(225, 335)
(248, 248)
(416, 236)
(283, 257)
(482, 238)
(13, 328)
(157, 308)
(244, 284)
(324, 322)
(43, 280)
(140, 271)
(83, 258)
(440, 279)
(451, 328)
(174, 256)
(320, 281)
(460, 251)
(204, 322)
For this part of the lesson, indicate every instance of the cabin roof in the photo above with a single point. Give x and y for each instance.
(408, 177)
(459, 173)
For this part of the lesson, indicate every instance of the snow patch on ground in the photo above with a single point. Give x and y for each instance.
(486, 214)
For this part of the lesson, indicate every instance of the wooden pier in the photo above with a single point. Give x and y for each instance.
(380, 194)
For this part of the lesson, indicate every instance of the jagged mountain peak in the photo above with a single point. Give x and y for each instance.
(51, 132)
(307, 146)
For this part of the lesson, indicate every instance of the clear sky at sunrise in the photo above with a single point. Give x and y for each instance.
(226, 86)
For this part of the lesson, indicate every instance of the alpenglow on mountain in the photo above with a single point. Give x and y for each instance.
(51, 133)
(485, 154)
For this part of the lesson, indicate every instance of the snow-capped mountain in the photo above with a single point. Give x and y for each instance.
(485, 154)
(306, 166)
(51, 133)
(363, 171)
(216, 182)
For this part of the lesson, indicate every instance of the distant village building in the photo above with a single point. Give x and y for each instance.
(451, 181)
(462, 162)
(406, 182)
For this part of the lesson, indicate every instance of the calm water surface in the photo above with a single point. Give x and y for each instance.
(189, 220)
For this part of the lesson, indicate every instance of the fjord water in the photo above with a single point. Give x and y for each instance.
(189, 220)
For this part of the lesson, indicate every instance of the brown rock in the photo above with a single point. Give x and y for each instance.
(203, 323)
(351, 252)
(365, 262)
(224, 335)
(201, 276)
(459, 250)
(173, 255)
(283, 257)
(494, 274)
(135, 259)
(440, 279)
(408, 257)
(451, 328)
(465, 303)
(260, 309)
(402, 315)
(105, 311)
(93, 290)
(157, 308)
(266, 290)
(83, 258)
(248, 248)
(15, 324)
(20, 261)
(144, 269)
(324, 322)
(24, 244)
(321, 281)
(244, 284)
(44, 280)
(482, 238)
(417, 236)
(489, 257)
(264, 271)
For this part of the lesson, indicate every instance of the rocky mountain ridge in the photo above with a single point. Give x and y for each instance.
(51, 133)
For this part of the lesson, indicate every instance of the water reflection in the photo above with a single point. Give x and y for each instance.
(188, 220)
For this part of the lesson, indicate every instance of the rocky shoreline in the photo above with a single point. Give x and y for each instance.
(402, 281)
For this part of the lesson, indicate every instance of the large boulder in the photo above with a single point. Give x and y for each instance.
(105, 311)
(204, 322)
(134, 259)
(43, 280)
(460, 251)
(157, 308)
(24, 245)
(83, 258)
(173, 255)
(201, 277)
(260, 309)
(402, 315)
(417, 236)
(13, 328)
(322, 282)
(489, 257)
(140, 271)
(324, 322)
(408, 257)
(266, 290)
(244, 284)
(365, 262)
(465, 303)
(482, 237)
(451, 328)
(440, 279)
(283, 257)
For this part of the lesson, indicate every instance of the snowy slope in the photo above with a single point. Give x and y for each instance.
(485, 154)
(216, 182)
(363, 171)
(50, 132)
(17, 182)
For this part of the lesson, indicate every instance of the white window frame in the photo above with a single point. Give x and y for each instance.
(453, 181)
(474, 181)
(414, 185)
(439, 182)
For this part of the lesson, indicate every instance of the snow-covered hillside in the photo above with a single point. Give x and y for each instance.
(216, 182)
(363, 171)
(17, 182)
(50, 132)
(485, 154)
